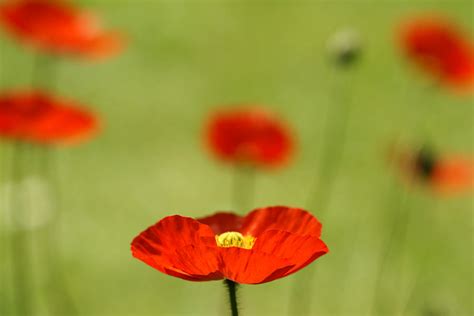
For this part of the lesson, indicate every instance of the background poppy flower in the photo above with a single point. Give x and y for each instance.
(441, 49)
(249, 136)
(40, 118)
(267, 244)
(445, 175)
(56, 27)
(453, 175)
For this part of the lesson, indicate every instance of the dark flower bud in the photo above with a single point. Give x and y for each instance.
(344, 47)
(425, 162)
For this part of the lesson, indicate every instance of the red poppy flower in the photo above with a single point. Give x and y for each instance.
(267, 244)
(249, 135)
(444, 175)
(39, 118)
(56, 27)
(441, 49)
(453, 175)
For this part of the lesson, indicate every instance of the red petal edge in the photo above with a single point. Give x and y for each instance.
(293, 220)
(222, 222)
(181, 247)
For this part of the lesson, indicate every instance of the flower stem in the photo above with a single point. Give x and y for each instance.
(5, 289)
(58, 296)
(243, 188)
(232, 288)
(44, 72)
(44, 76)
(398, 204)
(20, 239)
(335, 131)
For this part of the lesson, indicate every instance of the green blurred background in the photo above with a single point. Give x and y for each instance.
(185, 58)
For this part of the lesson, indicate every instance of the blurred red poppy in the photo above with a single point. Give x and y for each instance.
(56, 27)
(453, 175)
(249, 136)
(445, 175)
(441, 49)
(267, 244)
(39, 118)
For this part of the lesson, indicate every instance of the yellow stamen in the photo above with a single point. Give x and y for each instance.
(235, 239)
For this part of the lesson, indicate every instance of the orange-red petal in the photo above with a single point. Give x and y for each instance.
(57, 27)
(249, 136)
(222, 222)
(293, 220)
(250, 267)
(276, 254)
(453, 175)
(65, 125)
(439, 48)
(296, 249)
(40, 118)
(179, 246)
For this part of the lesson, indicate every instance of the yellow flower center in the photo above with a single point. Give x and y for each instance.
(235, 239)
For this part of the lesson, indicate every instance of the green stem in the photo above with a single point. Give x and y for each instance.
(397, 202)
(398, 227)
(44, 76)
(414, 293)
(243, 188)
(44, 72)
(20, 239)
(232, 289)
(60, 299)
(335, 132)
(5, 242)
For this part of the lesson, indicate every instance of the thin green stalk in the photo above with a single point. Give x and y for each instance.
(20, 238)
(423, 121)
(413, 294)
(61, 301)
(399, 226)
(335, 133)
(232, 289)
(2, 65)
(398, 204)
(44, 72)
(5, 290)
(243, 188)
(44, 76)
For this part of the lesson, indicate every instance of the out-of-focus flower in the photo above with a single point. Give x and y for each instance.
(440, 49)
(444, 175)
(39, 118)
(267, 244)
(345, 47)
(54, 26)
(249, 136)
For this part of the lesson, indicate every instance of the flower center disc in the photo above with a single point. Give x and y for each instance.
(234, 239)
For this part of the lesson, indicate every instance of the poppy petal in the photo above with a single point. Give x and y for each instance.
(293, 220)
(222, 222)
(68, 125)
(57, 27)
(299, 250)
(101, 46)
(453, 175)
(246, 266)
(440, 48)
(181, 247)
(249, 135)
(41, 118)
